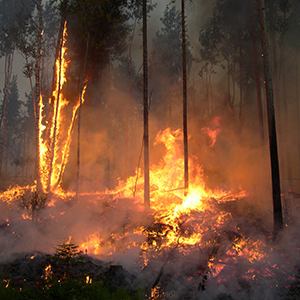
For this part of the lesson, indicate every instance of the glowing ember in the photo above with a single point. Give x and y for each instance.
(48, 272)
(88, 280)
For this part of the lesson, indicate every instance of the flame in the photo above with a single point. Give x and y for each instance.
(48, 271)
(179, 221)
(24, 216)
(7, 281)
(88, 280)
(214, 131)
(54, 148)
(92, 245)
(182, 220)
(15, 193)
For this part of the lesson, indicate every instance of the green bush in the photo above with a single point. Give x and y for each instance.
(71, 289)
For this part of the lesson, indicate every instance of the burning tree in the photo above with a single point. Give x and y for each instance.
(201, 235)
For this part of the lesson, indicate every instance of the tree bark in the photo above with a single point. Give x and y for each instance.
(241, 87)
(52, 142)
(277, 207)
(146, 109)
(38, 95)
(79, 115)
(56, 84)
(184, 95)
(297, 102)
(3, 122)
(257, 78)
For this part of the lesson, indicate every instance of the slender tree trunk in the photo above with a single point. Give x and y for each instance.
(6, 147)
(52, 142)
(38, 94)
(228, 84)
(257, 78)
(146, 110)
(79, 115)
(287, 125)
(56, 84)
(210, 96)
(100, 106)
(297, 103)
(128, 100)
(169, 95)
(277, 207)
(241, 87)
(3, 121)
(233, 85)
(184, 95)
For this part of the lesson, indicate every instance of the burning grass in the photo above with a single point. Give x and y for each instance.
(187, 246)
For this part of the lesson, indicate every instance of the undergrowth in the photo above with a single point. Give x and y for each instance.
(71, 289)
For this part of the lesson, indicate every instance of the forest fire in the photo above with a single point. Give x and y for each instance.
(178, 225)
(188, 240)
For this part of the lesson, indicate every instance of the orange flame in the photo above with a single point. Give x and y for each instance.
(171, 208)
(52, 165)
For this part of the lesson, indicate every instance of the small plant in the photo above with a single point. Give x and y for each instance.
(67, 251)
(33, 200)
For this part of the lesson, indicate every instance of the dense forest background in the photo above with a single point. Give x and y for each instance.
(225, 87)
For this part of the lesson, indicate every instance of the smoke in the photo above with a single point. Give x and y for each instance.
(111, 150)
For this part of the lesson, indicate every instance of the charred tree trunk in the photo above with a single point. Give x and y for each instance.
(257, 78)
(241, 87)
(79, 115)
(277, 207)
(287, 124)
(99, 107)
(3, 122)
(228, 85)
(52, 142)
(146, 109)
(56, 82)
(184, 95)
(128, 100)
(297, 103)
(38, 96)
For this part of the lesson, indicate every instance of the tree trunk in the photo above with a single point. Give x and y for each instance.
(257, 78)
(38, 97)
(184, 95)
(56, 84)
(99, 108)
(287, 125)
(297, 103)
(52, 143)
(146, 108)
(228, 84)
(79, 115)
(128, 100)
(241, 87)
(3, 122)
(233, 85)
(277, 207)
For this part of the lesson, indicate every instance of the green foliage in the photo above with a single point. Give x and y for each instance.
(13, 16)
(67, 251)
(288, 24)
(68, 290)
(167, 53)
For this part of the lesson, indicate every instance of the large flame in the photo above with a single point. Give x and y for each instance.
(55, 147)
(179, 219)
